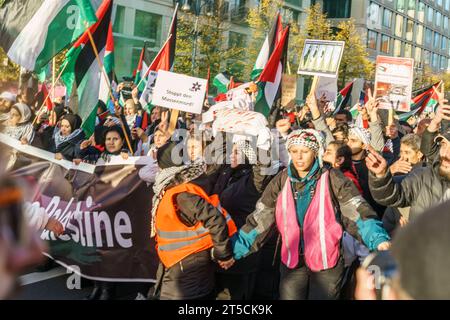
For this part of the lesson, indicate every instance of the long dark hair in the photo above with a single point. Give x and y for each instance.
(344, 151)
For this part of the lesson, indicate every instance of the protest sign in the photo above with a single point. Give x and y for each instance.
(179, 92)
(327, 88)
(393, 82)
(288, 89)
(147, 93)
(321, 58)
(105, 211)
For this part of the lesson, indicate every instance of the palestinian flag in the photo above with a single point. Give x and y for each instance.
(45, 93)
(222, 82)
(418, 103)
(164, 60)
(83, 76)
(343, 97)
(143, 64)
(268, 47)
(434, 101)
(32, 32)
(268, 91)
(108, 66)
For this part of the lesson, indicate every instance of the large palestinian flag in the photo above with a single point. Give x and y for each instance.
(83, 76)
(32, 32)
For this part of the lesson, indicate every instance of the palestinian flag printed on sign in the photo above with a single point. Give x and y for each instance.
(83, 76)
(420, 102)
(32, 32)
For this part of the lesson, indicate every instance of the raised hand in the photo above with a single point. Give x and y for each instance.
(376, 163)
(283, 126)
(400, 166)
(372, 106)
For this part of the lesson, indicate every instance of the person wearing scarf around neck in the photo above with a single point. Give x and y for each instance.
(67, 137)
(310, 206)
(18, 125)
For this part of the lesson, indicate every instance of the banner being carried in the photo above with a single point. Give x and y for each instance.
(105, 211)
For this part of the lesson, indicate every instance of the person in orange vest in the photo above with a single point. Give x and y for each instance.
(192, 230)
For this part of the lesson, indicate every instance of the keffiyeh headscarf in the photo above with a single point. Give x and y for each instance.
(362, 134)
(308, 138)
(245, 147)
(24, 110)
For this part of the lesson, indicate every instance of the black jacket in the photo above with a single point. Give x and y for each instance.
(69, 148)
(420, 190)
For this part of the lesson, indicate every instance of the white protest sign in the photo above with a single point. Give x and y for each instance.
(327, 87)
(179, 92)
(321, 58)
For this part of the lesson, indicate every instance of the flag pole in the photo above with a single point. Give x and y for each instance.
(53, 77)
(48, 94)
(100, 64)
(148, 70)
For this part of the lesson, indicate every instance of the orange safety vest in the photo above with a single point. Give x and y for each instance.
(175, 240)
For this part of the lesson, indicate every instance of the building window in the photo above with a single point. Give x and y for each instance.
(445, 23)
(439, 2)
(372, 40)
(418, 55)
(419, 34)
(409, 30)
(437, 39)
(430, 15)
(411, 8)
(399, 26)
(385, 44)
(421, 11)
(397, 48)
(447, 5)
(428, 37)
(147, 25)
(387, 18)
(119, 20)
(438, 19)
(374, 16)
(435, 61)
(408, 50)
(337, 8)
(443, 43)
(401, 5)
(443, 63)
(426, 57)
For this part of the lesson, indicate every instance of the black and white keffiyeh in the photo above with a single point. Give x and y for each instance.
(308, 138)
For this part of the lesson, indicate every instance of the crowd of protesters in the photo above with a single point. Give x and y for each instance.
(296, 227)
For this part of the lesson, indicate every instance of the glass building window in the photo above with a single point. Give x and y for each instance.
(438, 19)
(447, 5)
(372, 40)
(387, 18)
(337, 8)
(385, 44)
(443, 63)
(437, 39)
(443, 43)
(397, 48)
(418, 55)
(426, 57)
(401, 5)
(409, 30)
(428, 37)
(435, 60)
(408, 50)
(119, 20)
(445, 23)
(399, 26)
(430, 15)
(421, 11)
(439, 2)
(147, 25)
(419, 34)
(411, 8)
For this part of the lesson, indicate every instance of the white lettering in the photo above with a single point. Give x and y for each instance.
(122, 229)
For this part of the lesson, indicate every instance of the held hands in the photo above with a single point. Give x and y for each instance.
(55, 226)
(226, 264)
(384, 246)
(376, 163)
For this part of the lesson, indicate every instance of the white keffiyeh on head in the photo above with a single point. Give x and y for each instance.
(308, 138)
(245, 147)
(362, 134)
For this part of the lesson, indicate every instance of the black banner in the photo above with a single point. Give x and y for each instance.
(105, 210)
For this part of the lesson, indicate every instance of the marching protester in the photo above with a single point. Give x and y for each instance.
(294, 198)
(67, 137)
(183, 213)
(7, 99)
(18, 125)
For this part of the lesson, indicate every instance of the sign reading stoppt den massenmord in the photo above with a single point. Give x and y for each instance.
(179, 91)
(321, 58)
(393, 82)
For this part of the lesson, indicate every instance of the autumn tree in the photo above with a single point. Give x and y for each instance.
(355, 62)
